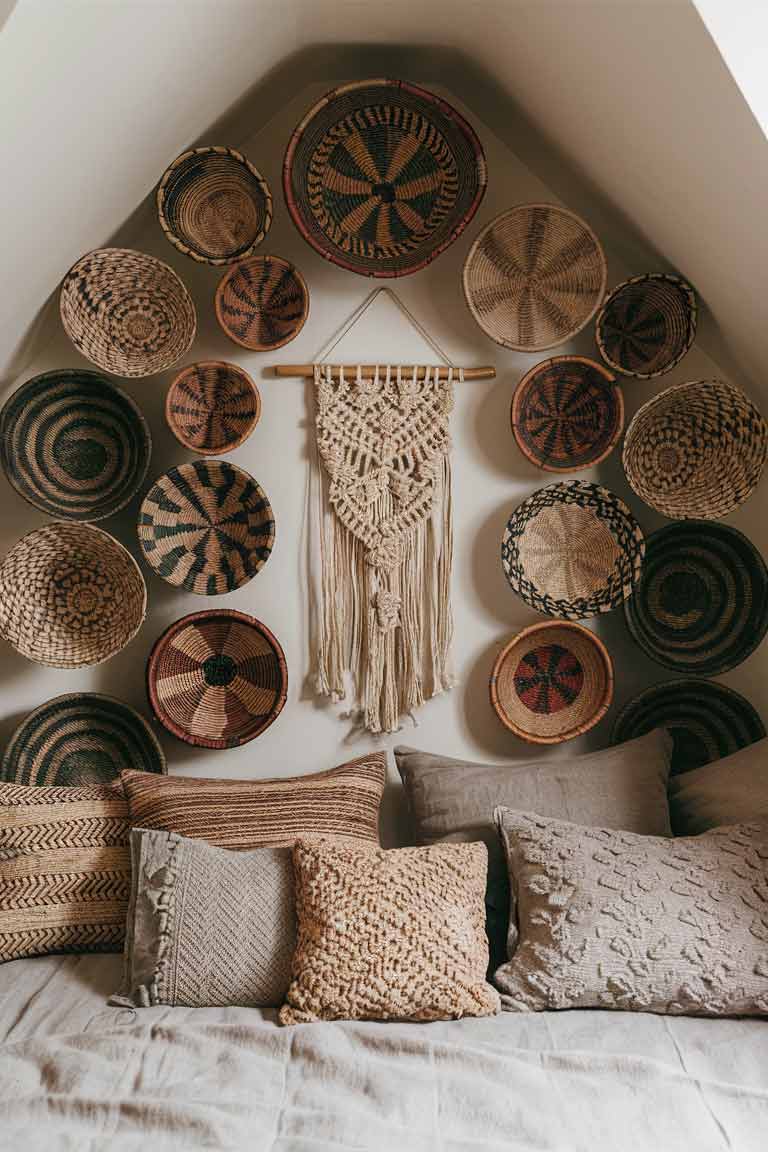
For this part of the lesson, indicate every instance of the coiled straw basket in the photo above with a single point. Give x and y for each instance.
(647, 325)
(212, 406)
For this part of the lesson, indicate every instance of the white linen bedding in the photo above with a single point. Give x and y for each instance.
(76, 1073)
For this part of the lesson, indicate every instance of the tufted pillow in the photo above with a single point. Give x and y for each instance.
(643, 923)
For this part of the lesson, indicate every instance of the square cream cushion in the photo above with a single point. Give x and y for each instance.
(727, 791)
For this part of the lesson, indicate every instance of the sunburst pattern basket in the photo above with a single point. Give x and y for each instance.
(262, 303)
(212, 406)
(647, 325)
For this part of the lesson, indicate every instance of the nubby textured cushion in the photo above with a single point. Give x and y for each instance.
(392, 935)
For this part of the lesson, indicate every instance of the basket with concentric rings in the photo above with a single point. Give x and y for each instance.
(647, 324)
(262, 303)
(213, 205)
(212, 406)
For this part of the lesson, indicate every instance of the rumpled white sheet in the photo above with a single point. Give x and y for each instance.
(77, 1074)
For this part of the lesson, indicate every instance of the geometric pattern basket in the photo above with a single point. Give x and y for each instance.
(647, 324)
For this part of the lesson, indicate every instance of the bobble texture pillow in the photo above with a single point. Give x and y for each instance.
(394, 935)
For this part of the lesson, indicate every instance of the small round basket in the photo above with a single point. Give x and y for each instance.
(206, 527)
(262, 303)
(697, 450)
(74, 445)
(212, 407)
(70, 596)
(127, 312)
(213, 205)
(706, 720)
(78, 740)
(217, 679)
(567, 413)
(534, 277)
(572, 550)
(552, 682)
(647, 325)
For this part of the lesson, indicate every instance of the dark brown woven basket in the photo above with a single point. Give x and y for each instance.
(262, 303)
(647, 325)
(212, 406)
(213, 205)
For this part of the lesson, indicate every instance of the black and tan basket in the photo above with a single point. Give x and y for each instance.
(262, 303)
(647, 324)
(212, 406)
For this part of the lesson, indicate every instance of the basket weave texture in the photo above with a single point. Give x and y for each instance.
(697, 449)
(127, 312)
(212, 406)
(647, 325)
(262, 303)
(213, 205)
(70, 595)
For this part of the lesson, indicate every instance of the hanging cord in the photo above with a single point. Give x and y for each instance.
(360, 311)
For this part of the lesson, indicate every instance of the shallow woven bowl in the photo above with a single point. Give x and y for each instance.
(534, 277)
(381, 176)
(127, 312)
(213, 205)
(647, 325)
(74, 444)
(262, 303)
(697, 450)
(78, 740)
(206, 527)
(552, 682)
(572, 550)
(217, 679)
(212, 406)
(70, 596)
(567, 413)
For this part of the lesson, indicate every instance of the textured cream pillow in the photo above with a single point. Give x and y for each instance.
(643, 923)
(392, 935)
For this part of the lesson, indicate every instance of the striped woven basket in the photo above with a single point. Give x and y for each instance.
(262, 303)
(647, 325)
(212, 406)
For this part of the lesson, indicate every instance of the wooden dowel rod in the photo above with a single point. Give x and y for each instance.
(308, 370)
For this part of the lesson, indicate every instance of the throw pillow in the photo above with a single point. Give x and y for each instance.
(642, 923)
(394, 935)
(728, 791)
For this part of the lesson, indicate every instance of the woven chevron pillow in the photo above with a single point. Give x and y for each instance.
(64, 870)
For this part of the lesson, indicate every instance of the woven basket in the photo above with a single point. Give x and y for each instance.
(73, 444)
(217, 679)
(567, 413)
(381, 176)
(262, 303)
(79, 740)
(212, 407)
(70, 596)
(213, 205)
(552, 682)
(534, 277)
(206, 527)
(572, 550)
(647, 325)
(127, 312)
(696, 450)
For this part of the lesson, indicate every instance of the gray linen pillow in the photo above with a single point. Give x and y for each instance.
(728, 791)
(207, 926)
(611, 919)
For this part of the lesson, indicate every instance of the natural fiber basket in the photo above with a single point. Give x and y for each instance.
(552, 682)
(78, 740)
(206, 527)
(647, 325)
(217, 679)
(213, 205)
(212, 406)
(696, 450)
(127, 312)
(572, 550)
(567, 413)
(534, 277)
(73, 444)
(70, 596)
(381, 176)
(262, 303)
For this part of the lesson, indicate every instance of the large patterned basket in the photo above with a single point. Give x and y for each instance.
(572, 550)
(206, 527)
(70, 596)
(78, 740)
(127, 312)
(552, 682)
(73, 444)
(212, 406)
(696, 450)
(647, 325)
(262, 303)
(213, 205)
(381, 176)
(534, 277)
(217, 679)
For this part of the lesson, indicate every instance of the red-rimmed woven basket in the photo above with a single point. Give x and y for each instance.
(212, 406)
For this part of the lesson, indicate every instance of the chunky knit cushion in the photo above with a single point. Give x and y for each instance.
(64, 870)
(389, 935)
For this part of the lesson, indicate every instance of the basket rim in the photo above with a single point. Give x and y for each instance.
(221, 287)
(213, 150)
(685, 288)
(415, 90)
(236, 370)
(151, 676)
(690, 682)
(575, 730)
